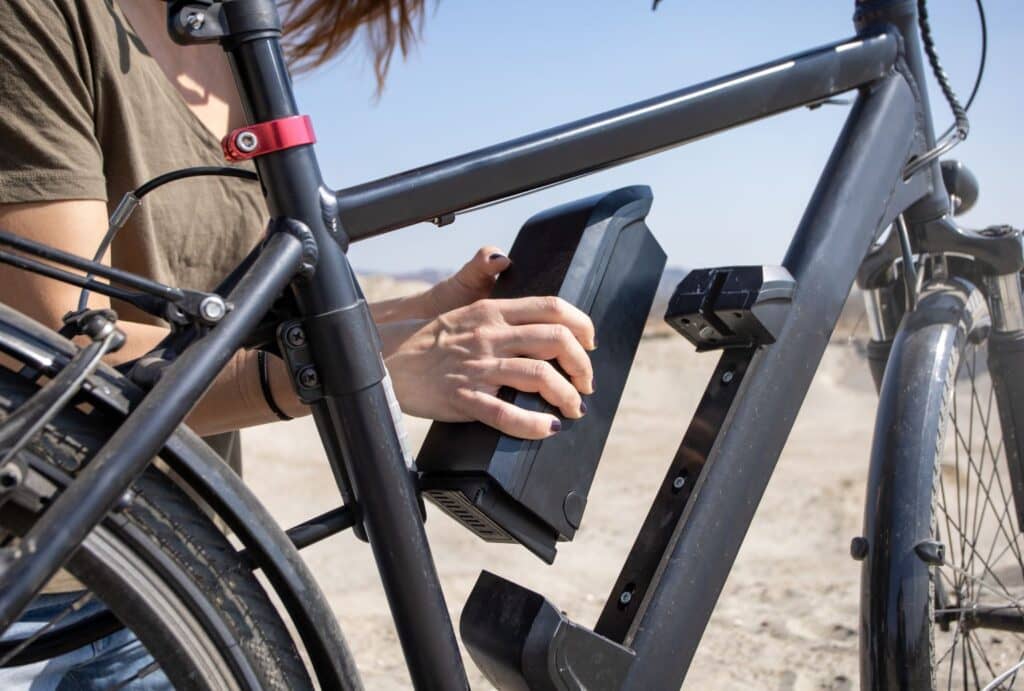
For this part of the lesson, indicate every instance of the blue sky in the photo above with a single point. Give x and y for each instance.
(486, 71)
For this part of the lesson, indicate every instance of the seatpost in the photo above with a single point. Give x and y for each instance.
(352, 407)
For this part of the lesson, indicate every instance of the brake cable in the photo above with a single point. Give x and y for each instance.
(961, 126)
(131, 201)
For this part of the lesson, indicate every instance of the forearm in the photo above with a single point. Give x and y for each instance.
(415, 306)
(235, 399)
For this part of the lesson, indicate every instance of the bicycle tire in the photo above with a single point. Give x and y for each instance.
(160, 565)
(939, 517)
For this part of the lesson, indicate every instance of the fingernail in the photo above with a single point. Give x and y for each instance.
(583, 407)
(496, 256)
(556, 425)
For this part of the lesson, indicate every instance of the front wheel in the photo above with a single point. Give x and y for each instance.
(942, 586)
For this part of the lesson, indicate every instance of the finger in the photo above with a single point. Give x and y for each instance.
(550, 310)
(507, 418)
(549, 342)
(478, 274)
(538, 376)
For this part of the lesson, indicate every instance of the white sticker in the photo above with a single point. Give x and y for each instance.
(396, 416)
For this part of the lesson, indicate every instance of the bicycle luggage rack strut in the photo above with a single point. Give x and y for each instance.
(519, 639)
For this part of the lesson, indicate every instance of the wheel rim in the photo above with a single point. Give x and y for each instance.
(979, 589)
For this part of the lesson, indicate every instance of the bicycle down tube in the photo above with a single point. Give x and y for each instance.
(861, 187)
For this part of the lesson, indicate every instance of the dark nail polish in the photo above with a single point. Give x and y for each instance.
(556, 425)
(496, 256)
(583, 407)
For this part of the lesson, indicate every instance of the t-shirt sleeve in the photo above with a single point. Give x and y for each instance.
(48, 145)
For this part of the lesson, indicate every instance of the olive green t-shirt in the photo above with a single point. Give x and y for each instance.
(87, 113)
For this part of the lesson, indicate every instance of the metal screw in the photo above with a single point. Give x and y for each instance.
(247, 141)
(10, 477)
(678, 482)
(708, 332)
(308, 378)
(727, 376)
(195, 20)
(625, 597)
(295, 337)
(125, 500)
(212, 308)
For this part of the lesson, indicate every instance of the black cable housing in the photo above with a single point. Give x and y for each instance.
(193, 172)
(962, 125)
(135, 197)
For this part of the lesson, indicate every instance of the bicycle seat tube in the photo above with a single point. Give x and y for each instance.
(354, 405)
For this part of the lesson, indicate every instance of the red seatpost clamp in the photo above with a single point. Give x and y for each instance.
(268, 137)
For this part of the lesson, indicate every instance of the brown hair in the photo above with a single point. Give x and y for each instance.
(318, 30)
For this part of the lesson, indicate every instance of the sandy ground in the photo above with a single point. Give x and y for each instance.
(788, 616)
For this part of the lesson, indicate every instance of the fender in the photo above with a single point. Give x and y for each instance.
(895, 580)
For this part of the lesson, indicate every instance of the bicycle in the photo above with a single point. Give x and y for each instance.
(78, 488)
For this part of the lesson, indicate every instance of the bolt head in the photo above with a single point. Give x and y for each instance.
(195, 20)
(626, 597)
(727, 377)
(125, 501)
(246, 141)
(308, 378)
(10, 477)
(212, 308)
(679, 482)
(295, 337)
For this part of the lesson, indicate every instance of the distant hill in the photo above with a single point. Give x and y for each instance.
(383, 286)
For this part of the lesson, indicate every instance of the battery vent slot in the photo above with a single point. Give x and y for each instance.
(455, 504)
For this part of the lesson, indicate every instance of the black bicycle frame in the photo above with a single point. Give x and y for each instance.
(676, 575)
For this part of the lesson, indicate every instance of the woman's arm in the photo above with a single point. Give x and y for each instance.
(448, 350)
(234, 401)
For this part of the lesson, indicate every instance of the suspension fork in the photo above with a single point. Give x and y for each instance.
(1006, 367)
(351, 402)
(996, 265)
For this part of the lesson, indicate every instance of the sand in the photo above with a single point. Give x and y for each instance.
(787, 618)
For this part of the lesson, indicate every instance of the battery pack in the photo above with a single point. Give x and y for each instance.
(599, 255)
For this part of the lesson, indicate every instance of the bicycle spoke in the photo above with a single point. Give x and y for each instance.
(977, 512)
(971, 635)
(974, 579)
(951, 652)
(956, 461)
(141, 674)
(1010, 673)
(74, 606)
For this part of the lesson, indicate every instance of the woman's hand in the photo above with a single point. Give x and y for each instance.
(467, 285)
(450, 368)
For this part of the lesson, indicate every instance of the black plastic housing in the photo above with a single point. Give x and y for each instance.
(731, 307)
(523, 642)
(599, 255)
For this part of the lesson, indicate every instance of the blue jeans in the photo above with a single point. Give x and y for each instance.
(103, 664)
